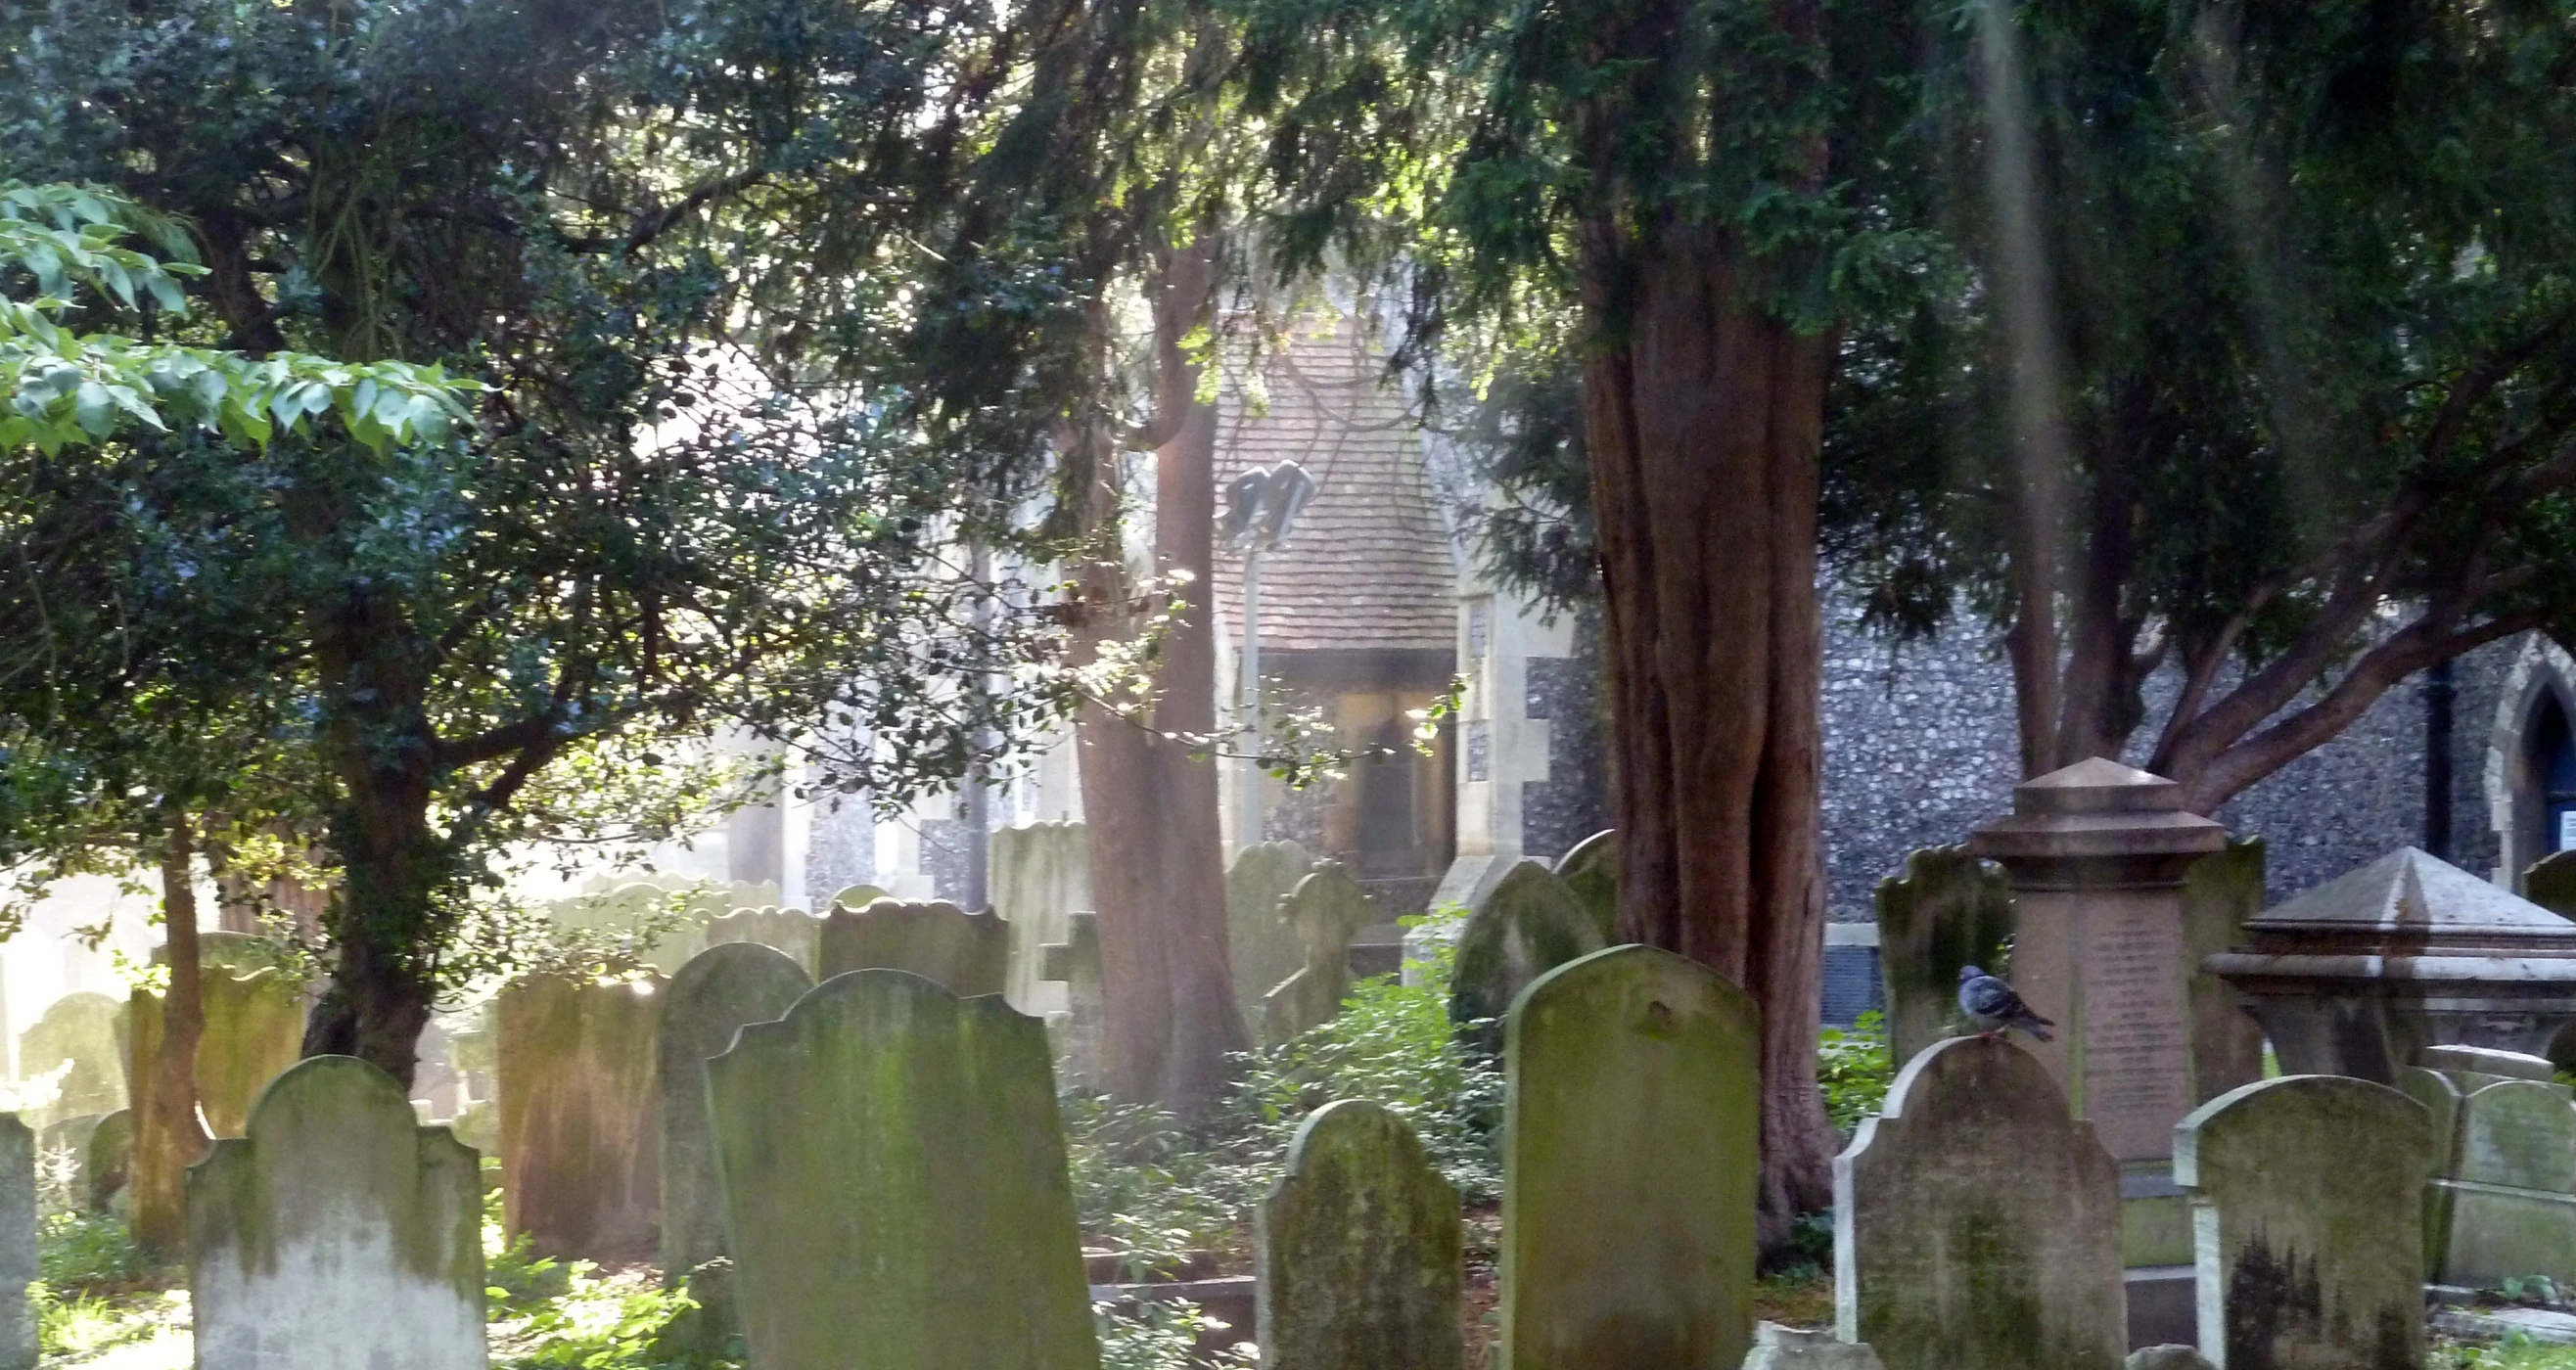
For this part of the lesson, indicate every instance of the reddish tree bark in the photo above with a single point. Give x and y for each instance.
(168, 1138)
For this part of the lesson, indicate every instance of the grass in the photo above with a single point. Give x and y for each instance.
(2515, 1353)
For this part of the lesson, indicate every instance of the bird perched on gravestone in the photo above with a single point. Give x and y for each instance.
(1994, 1008)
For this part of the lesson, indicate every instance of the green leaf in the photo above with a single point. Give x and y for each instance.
(94, 409)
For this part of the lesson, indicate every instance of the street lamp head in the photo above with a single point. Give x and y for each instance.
(1262, 505)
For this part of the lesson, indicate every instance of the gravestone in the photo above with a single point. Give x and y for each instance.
(1628, 1238)
(254, 1030)
(2550, 882)
(1977, 1223)
(794, 932)
(18, 1267)
(81, 1029)
(715, 994)
(62, 1161)
(1590, 868)
(579, 1174)
(2168, 1357)
(1077, 1032)
(1948, 910)
(1789, 1348)
(107, 1162)
(2503, 1200)
(624, 912)
(1528, 924)
(1359, 1264)
(895, 1184)
(1325, 910)
(965, 953)
(1260, 947)
(2307, 1205)
(2221, 893)
(338, 1235)
(1038, 874)
(856, 897)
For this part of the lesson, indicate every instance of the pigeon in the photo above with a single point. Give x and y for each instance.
(1995, 1008)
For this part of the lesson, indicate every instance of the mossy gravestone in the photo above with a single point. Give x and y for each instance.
(1948, 910)
(1039, 874)
(2550, 882)
(17, 1243)
(716, 993)
(254, 1031)
(338, 1235)
(579, 1177)
(794, 932)
(895, 1186)
(2219, 893)
(1590, 868)
(964, 953)
(1529, 923)
(2307, 1205)
(1260, 947)
(856, 897)
(1080, 1031)
(1629, 1148)
(1359, 1265)
(1326, 910)
(2503, 1200)
(107, 1161)
(80, 1029)
(1977, 1224)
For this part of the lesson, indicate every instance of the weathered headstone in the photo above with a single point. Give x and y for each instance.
(1039, 874)
(1528, 924)
(1628, 1240)
(2550, 882)
(1260, 947)
(338, 1235)
(107, 1162)
(2221, 892)
(579, 1174)
(663, 927)
(62, 1160)
(856, 897)
(1948, 910)
(794, 932)
(2167, 1357)
(1074, 963)
(713, 996)
(254, 1030)
(2307, 1198)
(1325, 909)
(1590, 868)
(964, 953)
(2503, 1200)
(1789, 1348)
(79, 1028)
(17, 1244)
(895, 1184)
(1977, 1223)
(1359, 1263)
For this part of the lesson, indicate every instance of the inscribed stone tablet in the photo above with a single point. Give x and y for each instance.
(2308, 1232)
(964, 953)
(1977, 1224)
(1633, 1092)
(1528, 924)
(338, 1234)
(1948, 910)
(715, 994)
(579, 1175)
(895, 1185)
(1358, 1250)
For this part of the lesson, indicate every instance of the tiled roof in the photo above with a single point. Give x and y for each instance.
(1368, 565)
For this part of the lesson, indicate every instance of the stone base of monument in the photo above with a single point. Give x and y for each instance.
(2163, 1309)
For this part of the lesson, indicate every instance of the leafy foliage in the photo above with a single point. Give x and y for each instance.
(1854, 1068)
(1162, 1336)
(86, 1253)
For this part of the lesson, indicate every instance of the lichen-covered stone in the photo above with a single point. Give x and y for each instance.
(2220, 893)
(17, 1243)
(1039, 875)
(107, 1161)
(713, 996)
(1629, 1147)
(964, 953)
(338, 1235)
(2504, 1200)
(1789, 1348)
(856, 897)
(1948, 910)
(1977, 1224)
(1528, 924)
(1261, 949)
(1591, 869)
(895, 1185)
(1080, 1031)
(579, 1173)
(2307, 1198)
(794, 932)
(1358, 1250)
(1325, 911)
(80, 1028)
(254, 1030)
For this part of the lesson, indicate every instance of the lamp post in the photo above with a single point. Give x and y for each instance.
(1261, 508)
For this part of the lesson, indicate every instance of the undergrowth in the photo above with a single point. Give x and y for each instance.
(1854, 1069)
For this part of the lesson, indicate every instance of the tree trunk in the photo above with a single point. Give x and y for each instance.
(1702, 414)
(1149, 804)
(168, 1138)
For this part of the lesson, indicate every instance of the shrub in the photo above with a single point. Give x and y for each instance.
(81, 1252)
(1854, 1069)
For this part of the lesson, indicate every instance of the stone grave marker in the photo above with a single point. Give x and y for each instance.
(1632, 1096)
(579, 1173)
(794, 932)
(2221, 892)
(715, 994)
(18, 1267)
(108, 1161)
(1590, 868)
(254, 1031)
(2307, 1198)
(1039, 874)
(2503, 1200)
(1977, 1223)
(2167, 1357)
(965, 953)
(81, 1029)
(1260, 946)
(1788, 1348)
(856, 897)
(1359, 1263)
(62, 1160)
(1528, 924)
(625, 911)
(1325, 910)
(894, 1180)
(338, 1235)
(1948, 910)
(1077, 1032)
(2550, 882)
